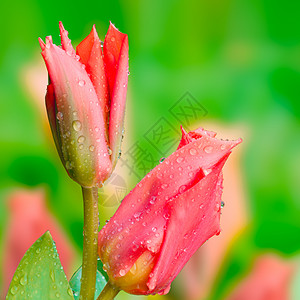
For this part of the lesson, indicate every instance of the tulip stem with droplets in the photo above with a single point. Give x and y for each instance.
(109, 292)
(90, 238)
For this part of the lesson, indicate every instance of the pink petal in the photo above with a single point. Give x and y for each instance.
(65, 41)
(91, 56)
(193, 135)
(76, 100)
(116, 67)
(194, 218)
(146, 204)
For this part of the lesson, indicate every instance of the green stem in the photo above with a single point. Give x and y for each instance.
(109, 292)
(90, 242)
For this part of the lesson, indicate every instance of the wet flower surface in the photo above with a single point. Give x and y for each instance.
(167, 216)
(86, 102)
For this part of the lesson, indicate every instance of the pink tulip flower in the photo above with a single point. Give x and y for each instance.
(85, 102)
(167, 216)
(270, 279)
(28, 220)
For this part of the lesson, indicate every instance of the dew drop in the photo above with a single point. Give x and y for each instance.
(81, 82)
(68, 166)
(23, 280)
(222, 204)
(76, 125)
(92, 148)
(182, 189)
(179, 159)
(59, 116)
(14, 290)
(81, 139)
(208, 149)
(193, 151)
(206, 171)
(70, 291)
(133, 269)
(152, 199)
(52, 276)
(122, 272)
(109, 151)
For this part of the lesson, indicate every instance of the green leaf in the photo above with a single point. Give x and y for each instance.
(40, 274)
(101, 280)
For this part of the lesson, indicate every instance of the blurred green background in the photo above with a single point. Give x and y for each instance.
(239, 62)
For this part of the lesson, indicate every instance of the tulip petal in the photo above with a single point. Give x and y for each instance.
(147, 203)
(77, 103)
(187, 138)
(194, 218)
(91, 56)
(51, 112)
(65, 41)
(116, 67)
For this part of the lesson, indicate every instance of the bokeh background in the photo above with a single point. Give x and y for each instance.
(230, 66)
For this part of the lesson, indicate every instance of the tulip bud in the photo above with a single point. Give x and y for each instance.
(167, 216)
(85, 102)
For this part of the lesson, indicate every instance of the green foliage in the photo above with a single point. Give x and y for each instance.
(101, 281)
(40, 274)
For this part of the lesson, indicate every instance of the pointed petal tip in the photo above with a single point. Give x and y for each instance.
(95, 33)
(114, 28)
(49, 41)
(183, 131)
(61, 27)
(238, 141)
(42, 44)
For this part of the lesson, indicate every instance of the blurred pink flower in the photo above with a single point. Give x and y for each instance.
(269, 279)
(29, 218)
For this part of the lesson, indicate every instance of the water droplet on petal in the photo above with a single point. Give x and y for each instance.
(81, 82)
(182, 189)
(77, 125)
(193, 151)
(81, 139)
(60, 116)
(179, 159)
(162, 159)
(222, 204)
(208, 149)
(92, 148)
(122, 272)
(152, 199)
